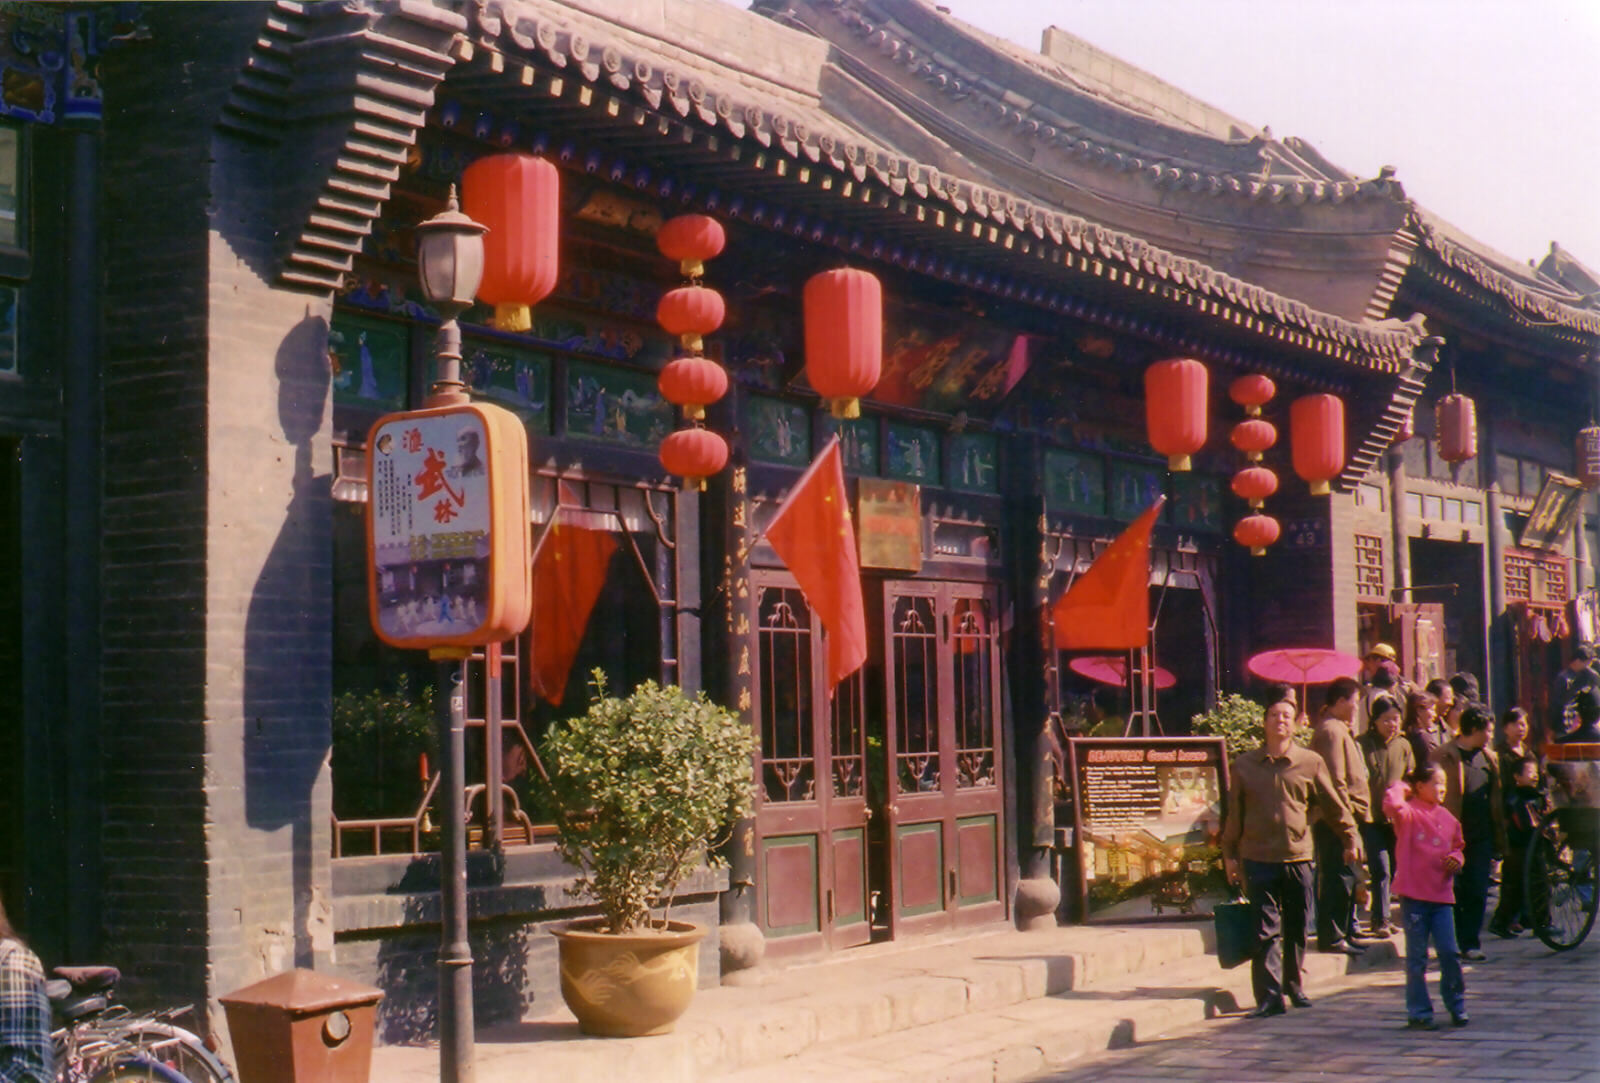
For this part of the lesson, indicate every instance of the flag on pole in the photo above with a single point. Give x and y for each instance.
(813, 536)
(569, 571)
(1108, 606)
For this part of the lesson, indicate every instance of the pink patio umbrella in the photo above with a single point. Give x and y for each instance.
(1108, 669)
(1303, 666)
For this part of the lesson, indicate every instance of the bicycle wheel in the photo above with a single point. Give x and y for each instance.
(137, 1070)
(179, 1049)
(1562, 884)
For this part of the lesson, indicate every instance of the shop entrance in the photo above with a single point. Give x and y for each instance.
(1451, 575)
(881, 807)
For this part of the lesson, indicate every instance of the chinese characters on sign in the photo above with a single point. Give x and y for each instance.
(448, 534)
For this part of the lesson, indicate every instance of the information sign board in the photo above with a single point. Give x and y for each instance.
(1149, 825)
(447, 526)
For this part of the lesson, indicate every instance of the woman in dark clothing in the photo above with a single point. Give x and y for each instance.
(1525, 807)
(1419, 725)
(1389, 758)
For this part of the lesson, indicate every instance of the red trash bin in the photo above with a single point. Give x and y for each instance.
(303, 1027)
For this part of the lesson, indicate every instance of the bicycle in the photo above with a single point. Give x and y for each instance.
(100, 1041)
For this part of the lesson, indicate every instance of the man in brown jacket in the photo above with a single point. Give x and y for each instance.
(1472, 794)
(1336, 877)
(1266, 842)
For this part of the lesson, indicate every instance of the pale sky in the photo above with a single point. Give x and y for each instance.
(1488, 109)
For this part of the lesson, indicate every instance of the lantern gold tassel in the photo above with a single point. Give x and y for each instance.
(1320, 488)
(1178, 463)
(513, 317)
(845, 408)
(692, 269)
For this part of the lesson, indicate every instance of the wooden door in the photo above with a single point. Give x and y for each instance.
(811, 813)
(1421, 641)
(945, 802)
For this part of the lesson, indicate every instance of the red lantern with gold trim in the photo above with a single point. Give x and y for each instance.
(517, 196)
(1455, 426)
(693, 383)
(1256, 532)
(1587, 455)
(1252, 391)
(1255, 484)
(690, 312)
(844, 337)
(1253, 437)
(1316, 439)
(694, 455)
(691, 239)
(1175, 409)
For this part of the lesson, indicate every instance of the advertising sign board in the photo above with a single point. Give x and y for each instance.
(1149, 825)
(447, 526)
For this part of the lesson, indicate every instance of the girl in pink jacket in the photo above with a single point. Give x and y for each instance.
(1428, 854)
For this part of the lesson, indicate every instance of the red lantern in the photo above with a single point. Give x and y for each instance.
(1316, 439)
(1255, 484)
(691, 239)
(1252, 392)
(1256, 532)
(1253, 437)
(689, 312)
(518, 197)
(844, 337)
(694, 455)
(1588, 457)
(1175, 409)
(1455, 425)
(694, 383)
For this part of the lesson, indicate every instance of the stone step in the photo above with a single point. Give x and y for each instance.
(1020, 1040)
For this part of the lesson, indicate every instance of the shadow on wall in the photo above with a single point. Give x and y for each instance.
(288, 668)
(408, 969)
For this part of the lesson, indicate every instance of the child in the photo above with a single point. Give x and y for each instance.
(1428, 849)
(1525, 806)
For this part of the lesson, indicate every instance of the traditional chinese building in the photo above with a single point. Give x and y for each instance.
(223, 774)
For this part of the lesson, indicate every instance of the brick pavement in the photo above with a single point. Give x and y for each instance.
(1535, 1017)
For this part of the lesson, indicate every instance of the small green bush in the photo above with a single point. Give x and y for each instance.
(378, 736)
(645, 784)
(1237, 720)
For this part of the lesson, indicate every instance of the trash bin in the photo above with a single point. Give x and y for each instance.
(302, 1027)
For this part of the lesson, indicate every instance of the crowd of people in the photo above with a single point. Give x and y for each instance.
(1406, 795)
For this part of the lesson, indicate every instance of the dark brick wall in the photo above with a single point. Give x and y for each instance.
(217, 534)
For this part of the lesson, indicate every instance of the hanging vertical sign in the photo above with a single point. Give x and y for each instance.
(447, 527)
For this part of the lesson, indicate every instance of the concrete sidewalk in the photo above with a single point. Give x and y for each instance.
(1000, 1005)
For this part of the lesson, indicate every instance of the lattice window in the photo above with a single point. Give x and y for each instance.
(1369, 567)
(1540, 580)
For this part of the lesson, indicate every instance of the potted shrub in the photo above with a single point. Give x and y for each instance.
(645, 786)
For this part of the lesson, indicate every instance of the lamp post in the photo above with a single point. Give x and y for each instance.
(450, 266)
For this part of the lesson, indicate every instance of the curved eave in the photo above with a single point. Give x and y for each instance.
(541, 54)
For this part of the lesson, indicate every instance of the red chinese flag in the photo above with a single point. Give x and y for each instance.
(1108, 606)
(814, 538)
(569, 571)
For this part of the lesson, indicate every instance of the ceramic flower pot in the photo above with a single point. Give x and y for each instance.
(628, 985)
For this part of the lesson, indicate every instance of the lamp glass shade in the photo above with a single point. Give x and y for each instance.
(450, 263)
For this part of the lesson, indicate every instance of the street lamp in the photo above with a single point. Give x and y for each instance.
(450, 266)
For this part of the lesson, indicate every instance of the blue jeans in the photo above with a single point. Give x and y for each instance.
(1436, 920)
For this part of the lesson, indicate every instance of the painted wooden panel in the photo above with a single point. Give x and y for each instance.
(616, 406)
(1196, 502)
(1134, 487)
(911, 454)
(780, 432)
(849, 876)
(921, 868)
(514, 378)
(791, 880)
(975, 462)
(858, 444)
(1074, 483)
(978, 846)
(370, 361)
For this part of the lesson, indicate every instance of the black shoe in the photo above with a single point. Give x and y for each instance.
(1422, 1024)
(1268, 1009)
(1342, 949)
(1503, 932)
(1475, 955)
(1299, 1000)
(1459, 1020)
